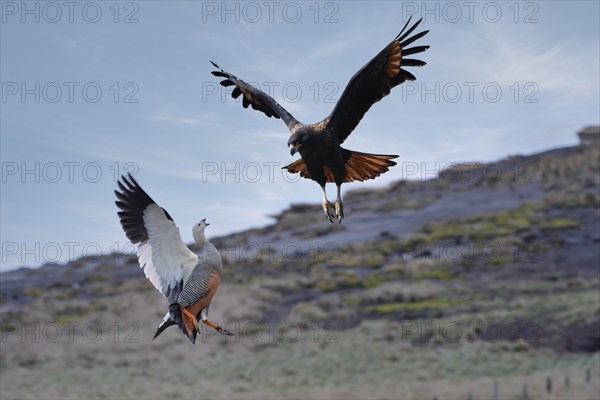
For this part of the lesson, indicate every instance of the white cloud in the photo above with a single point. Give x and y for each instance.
(184, 120)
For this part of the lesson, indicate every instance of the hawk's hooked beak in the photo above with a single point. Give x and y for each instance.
(293, 149)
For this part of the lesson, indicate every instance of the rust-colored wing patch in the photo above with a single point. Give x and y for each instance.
(298, 167)
(364, 166)
(392, 67)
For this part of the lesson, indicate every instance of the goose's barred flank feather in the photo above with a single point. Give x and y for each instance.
(198, 285)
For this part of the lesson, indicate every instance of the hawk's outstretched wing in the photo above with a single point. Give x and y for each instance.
(166, 260)
(374, 81)
(254, 97)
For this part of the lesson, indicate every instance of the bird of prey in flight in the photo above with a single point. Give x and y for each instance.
(187, 280)
(322, 158)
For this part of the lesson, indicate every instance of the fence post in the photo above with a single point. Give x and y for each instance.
(525, 394)
(549, 385)
(496, 391)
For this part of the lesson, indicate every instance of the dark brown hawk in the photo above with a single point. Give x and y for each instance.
(322, 158)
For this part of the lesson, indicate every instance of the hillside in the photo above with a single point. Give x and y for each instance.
(438, 287)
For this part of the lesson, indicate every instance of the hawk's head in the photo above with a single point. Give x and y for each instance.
(297, 140)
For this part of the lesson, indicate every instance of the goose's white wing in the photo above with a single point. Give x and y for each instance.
(166, 260)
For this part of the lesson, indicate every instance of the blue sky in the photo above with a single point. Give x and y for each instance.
(99, 89)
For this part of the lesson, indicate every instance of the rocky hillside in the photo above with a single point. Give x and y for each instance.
(508, 252)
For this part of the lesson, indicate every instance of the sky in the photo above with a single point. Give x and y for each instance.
(91, 90)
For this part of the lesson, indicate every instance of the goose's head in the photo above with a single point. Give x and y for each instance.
(198, 231)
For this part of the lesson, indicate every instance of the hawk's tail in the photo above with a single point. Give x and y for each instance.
(298, 167)
(359, 166)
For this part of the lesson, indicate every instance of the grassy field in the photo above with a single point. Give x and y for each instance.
(372, 360)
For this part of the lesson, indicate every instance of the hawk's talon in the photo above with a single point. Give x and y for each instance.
(339, 211)
(329, 211)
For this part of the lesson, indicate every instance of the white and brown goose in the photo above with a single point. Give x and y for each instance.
(188, 280)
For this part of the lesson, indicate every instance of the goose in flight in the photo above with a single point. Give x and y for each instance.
(322, 158)
(187, 280)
